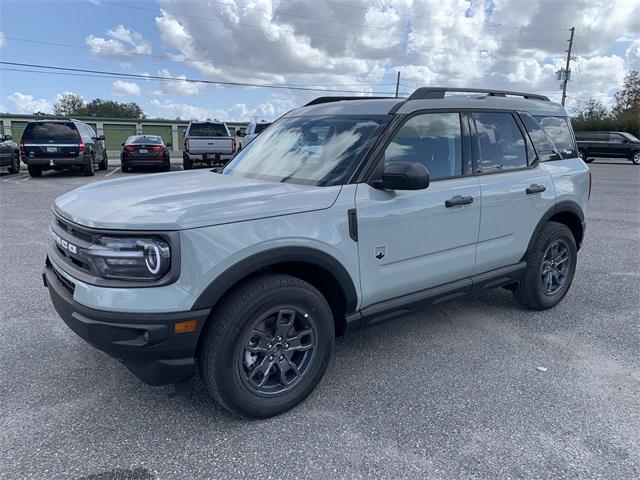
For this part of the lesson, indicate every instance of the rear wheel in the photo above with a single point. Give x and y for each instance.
(104, 164)
(167, 166)
(187, 163)
(124, 166)
(551, 264)
(635, 158)
(90, 168)
(35, 170)
(15, 163)
(267, 347)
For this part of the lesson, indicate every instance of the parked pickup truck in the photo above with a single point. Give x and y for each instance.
(608, 145)
(208, 143)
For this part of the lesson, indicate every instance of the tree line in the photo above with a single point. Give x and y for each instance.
(623, 117)
(72, 105)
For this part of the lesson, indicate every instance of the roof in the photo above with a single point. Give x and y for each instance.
(432, 99)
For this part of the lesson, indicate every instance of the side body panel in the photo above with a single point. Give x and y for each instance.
(510, 215)
(571, 181)
(424, 243)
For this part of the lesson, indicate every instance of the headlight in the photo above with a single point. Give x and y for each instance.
(130, 258)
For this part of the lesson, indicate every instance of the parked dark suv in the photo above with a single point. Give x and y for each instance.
(9, 154)
(608, 145)
(60, 144)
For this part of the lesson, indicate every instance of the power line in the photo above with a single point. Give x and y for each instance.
(190, 80)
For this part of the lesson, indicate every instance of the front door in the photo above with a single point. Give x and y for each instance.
(410, 241)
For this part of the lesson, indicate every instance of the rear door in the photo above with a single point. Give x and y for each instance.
(516, 190)
(410, 241)
(51, 140)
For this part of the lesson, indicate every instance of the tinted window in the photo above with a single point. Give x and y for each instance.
(144, 140)
(207, 129)
(560, 133)
(261, 126)
(615, 138)
(631, 137)
(499, 144)
(59, 132)
(543, 145)
(308, 150)
(432, 139)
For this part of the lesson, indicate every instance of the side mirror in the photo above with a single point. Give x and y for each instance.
(169, 144)
(100, 137)
(403, 176)
(122, 144)
(8, 137)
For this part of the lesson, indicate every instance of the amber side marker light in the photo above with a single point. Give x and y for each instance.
(186, 326)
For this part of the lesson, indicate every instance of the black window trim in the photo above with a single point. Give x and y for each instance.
(525, 136)
(371, 166)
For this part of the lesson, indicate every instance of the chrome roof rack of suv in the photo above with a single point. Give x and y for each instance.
(319, 100)
(434, 93)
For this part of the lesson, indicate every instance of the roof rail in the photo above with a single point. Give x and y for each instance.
(431, 93)
(319, 100)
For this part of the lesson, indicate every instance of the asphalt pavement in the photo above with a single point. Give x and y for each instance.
(477, 388)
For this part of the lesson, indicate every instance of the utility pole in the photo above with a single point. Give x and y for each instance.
(397, 84)
(566, 69)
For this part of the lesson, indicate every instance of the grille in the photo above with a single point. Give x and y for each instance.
(69, 286)
(70, 242)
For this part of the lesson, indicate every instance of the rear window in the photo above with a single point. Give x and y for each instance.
(49, 132)
(560, 133)
(543, 145)
(261, 126)
(207, 129)
(144, 141)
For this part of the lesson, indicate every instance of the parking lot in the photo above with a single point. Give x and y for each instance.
(477, 388)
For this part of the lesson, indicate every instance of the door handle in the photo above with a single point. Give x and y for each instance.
(535, 189)
(458, 200)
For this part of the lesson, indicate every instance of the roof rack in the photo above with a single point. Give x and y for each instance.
(319, 100)
(429, 93)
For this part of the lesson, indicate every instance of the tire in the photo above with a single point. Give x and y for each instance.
(34, 170)
(224, 353)
(187, 163)
(15, 163)
(89, 169)
(167, 166)
(104, 164)
(532, 291)
(635, 158)
(124, 166)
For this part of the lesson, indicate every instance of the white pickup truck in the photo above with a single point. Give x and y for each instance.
(208, 143)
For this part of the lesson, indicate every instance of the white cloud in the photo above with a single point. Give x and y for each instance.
(122, 44)
(24, 103)
(178, 87)
(633, 55)
(3, 41)
(121, 88)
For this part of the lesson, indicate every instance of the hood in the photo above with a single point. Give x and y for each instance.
(191, 199)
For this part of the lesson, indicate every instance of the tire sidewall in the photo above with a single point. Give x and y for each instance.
(561, 233)
(231, 388)
(634, 156)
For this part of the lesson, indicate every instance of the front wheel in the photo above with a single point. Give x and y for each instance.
(267, 347)
(551, 264)
(635, 158)
(15, 163)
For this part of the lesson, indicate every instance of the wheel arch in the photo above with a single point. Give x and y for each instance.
(318, 268)
(566, 212)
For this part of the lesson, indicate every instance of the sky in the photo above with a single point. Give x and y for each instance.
(355, 47)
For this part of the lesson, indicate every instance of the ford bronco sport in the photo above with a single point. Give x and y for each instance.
(344, 212)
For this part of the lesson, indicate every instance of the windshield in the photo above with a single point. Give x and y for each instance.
(144, 140)
(308, 150)
(631, 137)
(208, 129)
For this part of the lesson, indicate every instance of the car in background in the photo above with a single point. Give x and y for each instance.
(9, 154)
(252, 131)
(608, 145)
(61, 144)
(145, 151)
(208, 143)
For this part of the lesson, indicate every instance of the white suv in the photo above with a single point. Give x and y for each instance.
(251, 132)
(341, 214)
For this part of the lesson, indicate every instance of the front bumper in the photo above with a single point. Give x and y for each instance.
(145, 342)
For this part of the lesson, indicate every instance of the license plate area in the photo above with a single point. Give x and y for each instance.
(143, 150)
(52, 149)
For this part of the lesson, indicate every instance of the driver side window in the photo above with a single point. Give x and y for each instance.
(432, 139)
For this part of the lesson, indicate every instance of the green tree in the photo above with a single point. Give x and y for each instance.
(109, 108)
(593, 109)
(628, 99)
(69, 104)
